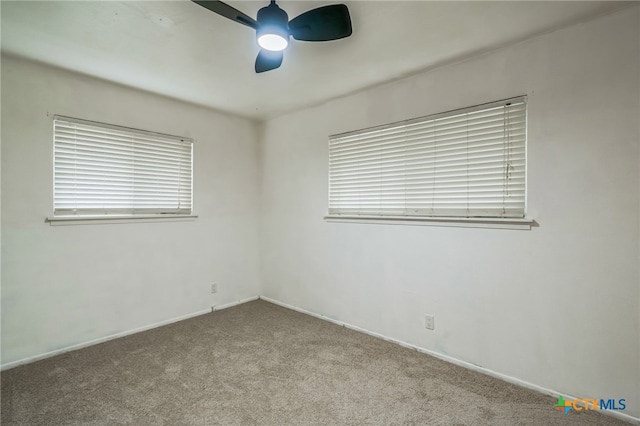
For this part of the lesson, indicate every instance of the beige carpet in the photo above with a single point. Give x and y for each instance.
(260, 364)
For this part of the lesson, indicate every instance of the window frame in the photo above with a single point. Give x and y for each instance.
(140, 216)
(523, 222)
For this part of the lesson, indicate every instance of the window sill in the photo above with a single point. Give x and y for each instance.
(104, 220)
(461, 222)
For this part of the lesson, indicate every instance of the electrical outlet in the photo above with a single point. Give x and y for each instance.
(429, 322)
(214, 288)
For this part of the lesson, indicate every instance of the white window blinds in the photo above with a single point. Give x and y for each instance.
(463, 163)
(101, 169)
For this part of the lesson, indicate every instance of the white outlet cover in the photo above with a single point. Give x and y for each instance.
(429, 322)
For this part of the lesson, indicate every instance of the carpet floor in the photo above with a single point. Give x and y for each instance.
(260, 364)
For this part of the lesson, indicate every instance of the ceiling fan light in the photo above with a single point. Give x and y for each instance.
(273, 29)
(273, 42)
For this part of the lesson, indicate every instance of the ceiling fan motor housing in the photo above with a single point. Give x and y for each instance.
(273, 20)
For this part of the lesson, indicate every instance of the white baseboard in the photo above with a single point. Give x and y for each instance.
(501, 376)
(50, 354)
(238, 302)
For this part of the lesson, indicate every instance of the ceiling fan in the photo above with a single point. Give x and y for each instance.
(273, 27)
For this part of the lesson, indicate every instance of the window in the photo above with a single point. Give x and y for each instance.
(468, 163)
(106, 170)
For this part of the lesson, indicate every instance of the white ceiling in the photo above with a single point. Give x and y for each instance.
(184, 51)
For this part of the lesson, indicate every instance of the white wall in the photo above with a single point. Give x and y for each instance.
(557, 306)
(67, 285)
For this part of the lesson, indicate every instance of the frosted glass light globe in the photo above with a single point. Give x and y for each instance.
(273, 42)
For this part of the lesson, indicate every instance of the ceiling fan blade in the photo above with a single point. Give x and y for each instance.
(227, 11)
(322, 24)
(267, 60)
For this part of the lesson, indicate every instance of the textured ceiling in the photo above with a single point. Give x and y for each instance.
(182, 50)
